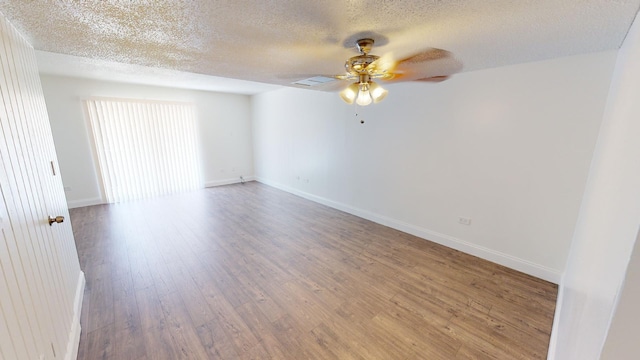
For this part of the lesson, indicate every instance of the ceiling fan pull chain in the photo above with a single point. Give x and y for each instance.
(355, 113)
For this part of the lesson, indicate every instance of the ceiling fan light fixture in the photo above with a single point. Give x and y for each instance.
(349, 94)
(378, 93)
(364, 97)
(363, 93)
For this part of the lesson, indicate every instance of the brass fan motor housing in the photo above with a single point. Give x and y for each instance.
(358, 65)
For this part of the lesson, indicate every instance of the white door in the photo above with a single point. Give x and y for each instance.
(39, 271)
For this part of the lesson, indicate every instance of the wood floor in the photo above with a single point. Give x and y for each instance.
(251, 272)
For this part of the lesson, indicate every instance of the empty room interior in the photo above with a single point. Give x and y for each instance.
(320, 180)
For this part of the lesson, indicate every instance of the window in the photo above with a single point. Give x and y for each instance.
(145, 148)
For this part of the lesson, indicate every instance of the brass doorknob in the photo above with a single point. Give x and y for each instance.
(57, 219)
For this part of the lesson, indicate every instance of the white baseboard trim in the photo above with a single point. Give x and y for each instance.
(227, 181)
(507, 260)
(553, 341)
(74, 335)
(84, 202)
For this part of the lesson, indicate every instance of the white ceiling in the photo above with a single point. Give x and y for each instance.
(276, 42)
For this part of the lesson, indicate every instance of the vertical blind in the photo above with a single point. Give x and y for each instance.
(145, 148)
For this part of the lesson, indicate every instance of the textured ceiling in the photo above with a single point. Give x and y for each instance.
(279, 41)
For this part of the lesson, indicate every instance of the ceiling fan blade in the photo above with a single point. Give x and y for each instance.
(427, 55)
(435, 79)
(432, 65)
(384, 65)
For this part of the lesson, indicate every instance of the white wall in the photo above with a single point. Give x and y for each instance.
(224, 121)
(622, 339)
(609, 219)
(509, 148)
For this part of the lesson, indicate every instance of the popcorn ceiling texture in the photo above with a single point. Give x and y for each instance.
(278, 41)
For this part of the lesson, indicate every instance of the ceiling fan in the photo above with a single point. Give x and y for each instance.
(433, 65)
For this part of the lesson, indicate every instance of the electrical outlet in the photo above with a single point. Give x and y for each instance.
(464, 220)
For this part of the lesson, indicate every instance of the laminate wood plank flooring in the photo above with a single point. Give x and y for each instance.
(247, 271)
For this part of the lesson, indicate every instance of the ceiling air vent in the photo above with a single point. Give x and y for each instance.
(314, 81)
